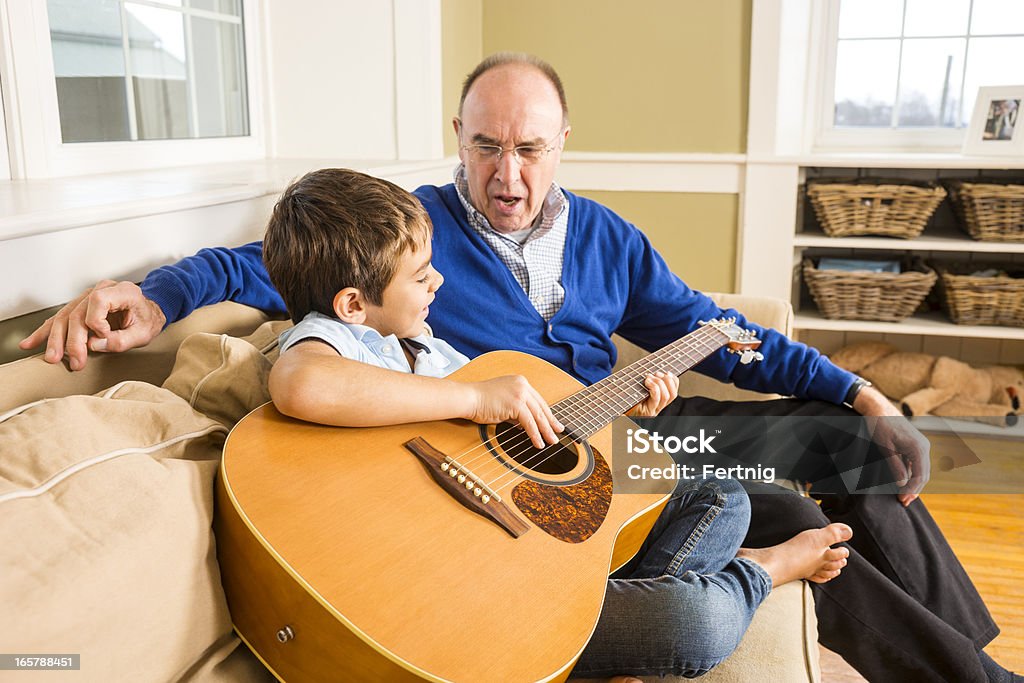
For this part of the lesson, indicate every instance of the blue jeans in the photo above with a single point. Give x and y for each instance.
(683, 603)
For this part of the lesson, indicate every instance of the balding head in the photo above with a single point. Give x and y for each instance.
(521, 59)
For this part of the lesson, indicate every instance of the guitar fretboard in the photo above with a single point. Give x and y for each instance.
(588, 411)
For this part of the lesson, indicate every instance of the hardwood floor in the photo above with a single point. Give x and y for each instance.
(987, 533)
(986, 529)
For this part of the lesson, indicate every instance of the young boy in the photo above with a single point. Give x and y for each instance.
(350, 256)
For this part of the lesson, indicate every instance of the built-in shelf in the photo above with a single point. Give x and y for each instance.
(941, 239)
(947, 161)
(934, 239)
(932, 324)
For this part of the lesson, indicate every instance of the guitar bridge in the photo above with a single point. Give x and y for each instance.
(465, 476)
(465, 487)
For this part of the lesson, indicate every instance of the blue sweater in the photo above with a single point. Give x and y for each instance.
(613, 278)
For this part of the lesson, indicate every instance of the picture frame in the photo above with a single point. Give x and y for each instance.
(997, 127)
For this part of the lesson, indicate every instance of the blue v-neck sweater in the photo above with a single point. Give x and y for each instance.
(614, 281)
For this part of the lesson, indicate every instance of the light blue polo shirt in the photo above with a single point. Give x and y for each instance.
(434, 357)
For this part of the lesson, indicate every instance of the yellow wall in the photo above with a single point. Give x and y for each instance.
(695, 233)
(663, 76)
(641, 76)
(461, 50)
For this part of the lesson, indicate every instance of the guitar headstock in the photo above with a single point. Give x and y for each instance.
(743, 342)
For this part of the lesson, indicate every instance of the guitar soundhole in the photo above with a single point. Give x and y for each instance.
(557, 459)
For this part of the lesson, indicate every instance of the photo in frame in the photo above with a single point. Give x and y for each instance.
(997, 127)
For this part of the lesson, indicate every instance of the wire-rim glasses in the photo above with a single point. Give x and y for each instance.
(524, 154)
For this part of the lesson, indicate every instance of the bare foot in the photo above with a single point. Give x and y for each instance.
(625, 679)
(805, 556)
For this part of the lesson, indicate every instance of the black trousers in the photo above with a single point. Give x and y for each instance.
(903, 608)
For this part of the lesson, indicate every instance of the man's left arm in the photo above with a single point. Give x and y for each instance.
(662, 308)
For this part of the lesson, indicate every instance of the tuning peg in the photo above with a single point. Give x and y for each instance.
(748, 356)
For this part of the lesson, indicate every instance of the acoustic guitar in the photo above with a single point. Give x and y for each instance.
(441, 551)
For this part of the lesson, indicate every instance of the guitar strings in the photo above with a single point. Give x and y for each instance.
(567, 411)
(543, 455)
(598, 423)
(639, 369)
(585, 412)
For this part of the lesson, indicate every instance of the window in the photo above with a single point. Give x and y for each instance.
(140, 71)
(906, 72)
(174, 78)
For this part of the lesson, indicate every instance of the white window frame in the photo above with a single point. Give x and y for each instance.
(37, 150)
(7, 98)
(5, 157)
(827, 138)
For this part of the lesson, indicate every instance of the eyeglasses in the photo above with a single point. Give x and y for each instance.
(524, 154)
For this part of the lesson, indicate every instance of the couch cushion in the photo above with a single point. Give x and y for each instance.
(107, 504)
(30, 379)
(225, 377)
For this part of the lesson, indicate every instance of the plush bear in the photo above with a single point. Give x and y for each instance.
(922, 383)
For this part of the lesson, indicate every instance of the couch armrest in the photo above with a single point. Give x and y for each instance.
(30, 379)
(780, 644)
(765, 311)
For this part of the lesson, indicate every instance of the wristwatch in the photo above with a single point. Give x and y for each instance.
(855, 389)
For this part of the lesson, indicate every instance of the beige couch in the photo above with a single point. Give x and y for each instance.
(106, 502)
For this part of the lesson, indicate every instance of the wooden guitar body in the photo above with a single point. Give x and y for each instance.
(344, 560)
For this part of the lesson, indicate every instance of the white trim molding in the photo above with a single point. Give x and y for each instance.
(624, 172)
(122, 225)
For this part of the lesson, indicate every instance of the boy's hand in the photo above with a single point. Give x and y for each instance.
(664, 388)
(512, 398)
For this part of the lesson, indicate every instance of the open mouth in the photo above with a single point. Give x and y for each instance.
(508, 200)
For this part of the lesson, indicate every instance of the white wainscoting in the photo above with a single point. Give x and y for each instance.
(60, 236)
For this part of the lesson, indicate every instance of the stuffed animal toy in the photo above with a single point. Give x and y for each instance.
(921, 383)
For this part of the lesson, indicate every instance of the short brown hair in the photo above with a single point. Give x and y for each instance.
(502, 58)
(336, 228)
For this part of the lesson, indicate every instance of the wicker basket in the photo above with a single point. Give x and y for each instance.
(991, 211)
(976, 300)
(862, 295)
(870, 206)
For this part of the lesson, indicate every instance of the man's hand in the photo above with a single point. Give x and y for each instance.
(663, 387)
(907, 448)
(112, 316)
(512, 398)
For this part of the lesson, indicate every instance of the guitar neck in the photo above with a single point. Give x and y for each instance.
(589, 410)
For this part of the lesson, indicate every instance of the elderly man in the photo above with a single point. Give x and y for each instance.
(562, 274)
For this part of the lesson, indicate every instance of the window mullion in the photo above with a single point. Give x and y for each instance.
(221, 95)
(967, 56)
(129, 85)
(190, 77)
(894, 120)
(193, 11)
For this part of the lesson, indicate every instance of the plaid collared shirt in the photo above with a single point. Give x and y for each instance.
(537, 262)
